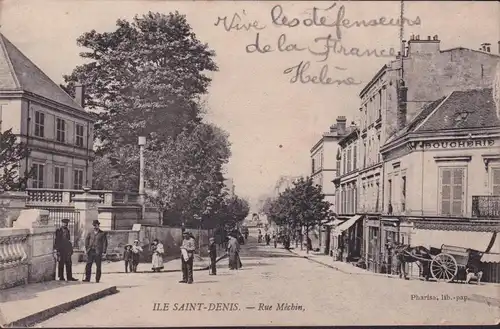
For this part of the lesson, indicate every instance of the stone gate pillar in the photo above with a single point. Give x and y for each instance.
(86, 205)
(11, 204)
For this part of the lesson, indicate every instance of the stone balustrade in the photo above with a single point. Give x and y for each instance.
(13, 246)
(56, 197)
(26, 250)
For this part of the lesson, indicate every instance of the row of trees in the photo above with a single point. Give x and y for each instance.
(147, 78)
(300, 206)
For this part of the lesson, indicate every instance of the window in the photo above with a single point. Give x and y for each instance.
(403, 193)
(364, 154)
(495, 179)
(379, 104)
(312, 166)
(452, 191)
(389, 196)
(355, 158)
(60, 130)
(58, 177)
(39, 124)
(79, 135)
(37, 175)
(348, 160)
(77, 179)
(344, 164)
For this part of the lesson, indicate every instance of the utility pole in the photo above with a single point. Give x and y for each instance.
(142, 143)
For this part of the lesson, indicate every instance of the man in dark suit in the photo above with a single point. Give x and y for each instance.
(96, 243)
(64, 248)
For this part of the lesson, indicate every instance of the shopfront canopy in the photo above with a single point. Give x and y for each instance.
(493, 256)
(464, 239)
(347, 224)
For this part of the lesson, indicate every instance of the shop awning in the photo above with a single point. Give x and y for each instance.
(464, 239)
(347, 224)
(493, 256)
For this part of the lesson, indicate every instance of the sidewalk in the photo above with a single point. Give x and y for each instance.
(328, 261)
(27, 305)
(486, 292)
(171, 264)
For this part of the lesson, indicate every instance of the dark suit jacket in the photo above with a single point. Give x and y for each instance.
(101, 241)
(62, 241)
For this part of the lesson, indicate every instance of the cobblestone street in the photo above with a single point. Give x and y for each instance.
(320, 296)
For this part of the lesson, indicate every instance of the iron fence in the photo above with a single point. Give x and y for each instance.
(58, 214)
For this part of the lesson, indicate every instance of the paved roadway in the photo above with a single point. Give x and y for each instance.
(271, 277)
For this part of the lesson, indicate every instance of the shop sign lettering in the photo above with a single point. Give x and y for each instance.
(452, 144)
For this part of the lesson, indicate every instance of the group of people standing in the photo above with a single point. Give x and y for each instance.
(96, 244)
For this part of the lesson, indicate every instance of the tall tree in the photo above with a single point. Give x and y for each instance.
(144, 78)
(186, 173)
(11, 154)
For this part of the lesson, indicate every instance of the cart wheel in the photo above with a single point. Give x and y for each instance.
(444, 268)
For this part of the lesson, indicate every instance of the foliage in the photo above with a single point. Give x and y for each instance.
(233, 210)
(11, 154)
(117, 170)
(301, 205)
(144, 78)
(186, 173)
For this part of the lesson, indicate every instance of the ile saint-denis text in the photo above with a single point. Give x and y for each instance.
(225, 307)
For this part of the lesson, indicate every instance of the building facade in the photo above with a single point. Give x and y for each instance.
(442, 176)
(54, 126)
(324, 160)
(419, 76)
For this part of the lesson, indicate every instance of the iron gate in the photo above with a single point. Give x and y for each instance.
(58, 214)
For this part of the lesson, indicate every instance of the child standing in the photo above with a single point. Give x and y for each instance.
(136, 253)
(212, 251)
(127, 257)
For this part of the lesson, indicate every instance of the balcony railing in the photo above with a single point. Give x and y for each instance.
(55, 197)
(486, 206)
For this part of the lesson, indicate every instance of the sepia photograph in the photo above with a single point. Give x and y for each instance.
(208, 163)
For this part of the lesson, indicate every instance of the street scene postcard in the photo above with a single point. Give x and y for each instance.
(249, 163)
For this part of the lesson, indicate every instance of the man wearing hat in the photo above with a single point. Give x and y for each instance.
(96, 243)
(64, 248)
(187, 250)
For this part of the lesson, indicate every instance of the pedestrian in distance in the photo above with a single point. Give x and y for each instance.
(275, 240)
(127, 258)
(64, 250)
(96, 244)
(136, 255)
(158, 252)
(212, 251)
(233, 250)
(268, 239)
(188, 248)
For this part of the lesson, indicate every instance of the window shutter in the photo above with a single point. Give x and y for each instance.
(496, 181)
(458, 191)
(445, 192)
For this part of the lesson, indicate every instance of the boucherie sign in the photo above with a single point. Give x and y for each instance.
(452, 144)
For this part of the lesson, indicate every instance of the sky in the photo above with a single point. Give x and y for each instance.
(272, 122)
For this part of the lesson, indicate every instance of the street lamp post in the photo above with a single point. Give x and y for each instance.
(142, 143)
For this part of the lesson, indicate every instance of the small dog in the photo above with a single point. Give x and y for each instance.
(473, 275)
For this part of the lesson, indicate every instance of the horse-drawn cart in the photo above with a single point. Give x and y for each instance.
(446, 264)
(451, 263)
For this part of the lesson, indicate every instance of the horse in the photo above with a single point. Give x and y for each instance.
(407, 254)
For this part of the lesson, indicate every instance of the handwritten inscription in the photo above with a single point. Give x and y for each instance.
(322, 47)
(299, 74)
(280, 19)
(238, 23)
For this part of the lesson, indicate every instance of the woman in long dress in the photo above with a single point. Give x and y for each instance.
(233, 252)
(158, 252)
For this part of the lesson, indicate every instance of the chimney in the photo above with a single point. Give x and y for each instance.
(486, 47)
(341, 120)
(402, 105)
(499, 47)
(79, 93)
(333, 128)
